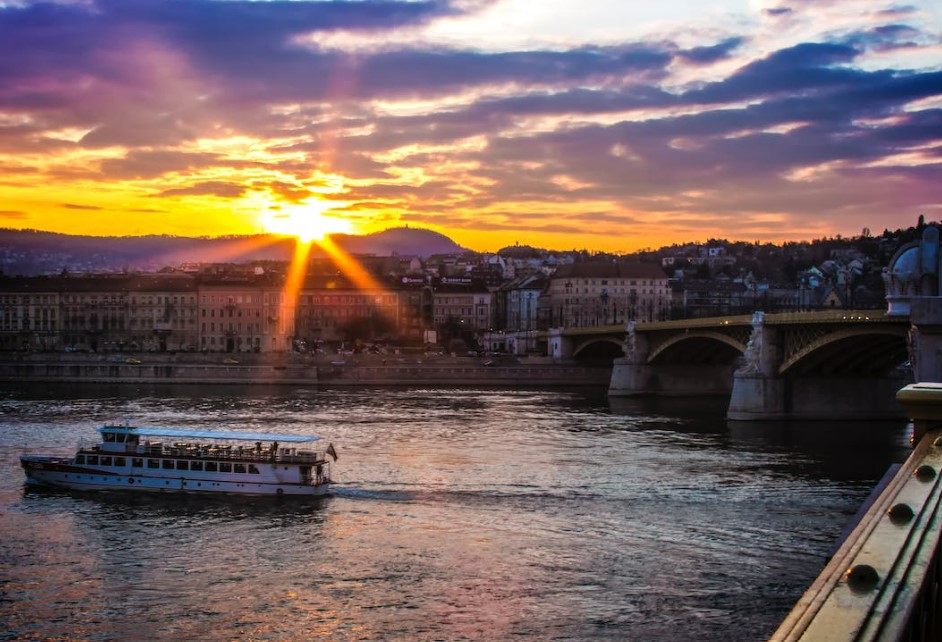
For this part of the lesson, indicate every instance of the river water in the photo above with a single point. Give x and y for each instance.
(459, 514)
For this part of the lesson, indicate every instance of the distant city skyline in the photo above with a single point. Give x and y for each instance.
(605, 125)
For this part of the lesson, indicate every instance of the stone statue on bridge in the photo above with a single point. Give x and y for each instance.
(752, 357)
(630, 345)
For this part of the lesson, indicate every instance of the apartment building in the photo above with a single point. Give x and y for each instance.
(330, 308)
(609, 293)
(463, 301)
(244, 312)
(30, 314)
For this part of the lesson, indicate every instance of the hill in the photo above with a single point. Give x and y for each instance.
(31, 252)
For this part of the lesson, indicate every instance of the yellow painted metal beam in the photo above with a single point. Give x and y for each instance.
(883, 582)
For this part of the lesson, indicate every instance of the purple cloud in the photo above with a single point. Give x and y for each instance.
(139, 85)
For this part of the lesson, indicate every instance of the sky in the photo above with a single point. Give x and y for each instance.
(607, 125)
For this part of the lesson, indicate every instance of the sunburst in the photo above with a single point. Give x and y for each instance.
(307, 221)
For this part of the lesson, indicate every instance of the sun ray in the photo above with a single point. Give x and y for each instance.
(294, 280)
(349, 266)
(298, 271)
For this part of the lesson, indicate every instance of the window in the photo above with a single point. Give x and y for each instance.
(120, 461)
(168, 464)
(196, 465)
(183, 465)
(253, 469)
(153, 463)
(80, 459)
(210, 467)
(225, 468)
(106, 461)
(238, 468)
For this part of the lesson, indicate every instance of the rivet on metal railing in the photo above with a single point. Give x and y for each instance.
(925, 473)
(901, 514)
(862, 578)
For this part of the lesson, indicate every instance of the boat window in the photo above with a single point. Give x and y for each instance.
(108, 437)
(168, 464)
(93, 460)
(120, 461)
(183, 465)
(196, 465)
(253, 469)
(106, 461)
(225, 468)
(238, 468)
(80, 459)
(210, 466)
(153, 463)
(137, 462)
(119, 438)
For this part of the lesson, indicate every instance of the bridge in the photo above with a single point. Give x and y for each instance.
(832, 364)
(829, 364)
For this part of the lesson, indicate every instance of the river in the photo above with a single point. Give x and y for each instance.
(458, 514)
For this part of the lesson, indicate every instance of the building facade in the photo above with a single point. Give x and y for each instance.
(598, 294)
(244, 309)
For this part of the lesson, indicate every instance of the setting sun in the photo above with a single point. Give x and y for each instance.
(309, 221)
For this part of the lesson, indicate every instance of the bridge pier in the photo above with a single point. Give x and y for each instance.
(757, 396)
(631, 378)
(634, 375)
(758, 391)
(631, 374)
(761, 390)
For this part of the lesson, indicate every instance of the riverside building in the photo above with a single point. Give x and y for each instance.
(240, 309)
(597, 294)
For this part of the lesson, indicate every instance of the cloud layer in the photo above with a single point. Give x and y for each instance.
(800, 120)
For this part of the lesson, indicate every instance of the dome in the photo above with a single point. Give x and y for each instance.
(900, 278)
(906, 261)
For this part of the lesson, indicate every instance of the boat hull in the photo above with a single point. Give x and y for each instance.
(55, 472)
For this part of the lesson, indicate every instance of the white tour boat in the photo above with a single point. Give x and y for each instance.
(139, 459)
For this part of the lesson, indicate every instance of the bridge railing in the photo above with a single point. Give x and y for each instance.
(883, 583)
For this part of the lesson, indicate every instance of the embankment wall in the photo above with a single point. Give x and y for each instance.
(449, 373)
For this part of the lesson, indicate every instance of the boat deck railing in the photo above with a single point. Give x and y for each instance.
(224, 451)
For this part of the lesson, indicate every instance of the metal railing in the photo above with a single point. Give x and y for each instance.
(883, 583)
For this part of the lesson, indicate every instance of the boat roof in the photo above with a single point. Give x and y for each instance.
(210, 434)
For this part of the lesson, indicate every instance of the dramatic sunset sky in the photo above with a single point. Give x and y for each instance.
(600, 124)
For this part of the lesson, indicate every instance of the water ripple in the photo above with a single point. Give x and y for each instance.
(460, 514)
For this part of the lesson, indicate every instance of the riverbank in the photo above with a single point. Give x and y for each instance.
(196, 368)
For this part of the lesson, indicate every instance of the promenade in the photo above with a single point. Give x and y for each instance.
(296, 369)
